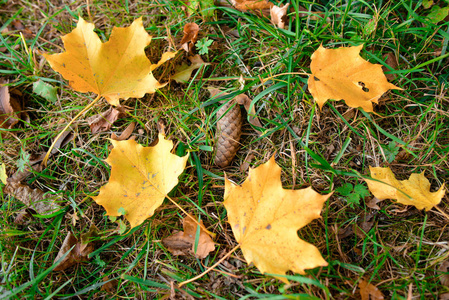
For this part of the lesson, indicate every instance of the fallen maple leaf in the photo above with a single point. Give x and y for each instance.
(414, 191)
(183, 72)
(265, 219)
(190, 36)
(140, 179)
(182, 243)
(117, 69)
(369, 291)
(342, 74)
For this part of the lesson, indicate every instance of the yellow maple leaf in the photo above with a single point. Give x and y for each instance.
(342, 74)
(265, 219)
(140, 179)
(414, 191)
(116, 69)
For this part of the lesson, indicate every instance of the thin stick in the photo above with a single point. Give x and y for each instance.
(282, 74)
(442, 212)
(210, 268)
(88, 10)
(191, 217)
(44, 161)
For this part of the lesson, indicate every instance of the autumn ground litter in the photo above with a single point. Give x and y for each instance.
(254, 136)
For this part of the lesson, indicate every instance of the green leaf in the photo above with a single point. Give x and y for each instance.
(122, 211)
(345, 190)
(203, 46)
(23, 161)
(390, 151)
(370, 26)
(437, 14)
(361, 190)
(122, 226)
(45, 90)
(353, 199)
(99, 261)
(427, 3)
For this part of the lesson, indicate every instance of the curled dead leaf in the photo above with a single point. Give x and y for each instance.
(78, 254)
(190, 36)
(8, 108)
(125, 134)
(36, 199)
(183, 72)
(103, 121)
(369, 291)
(279, 15)
(182, 243)
(393, 63)
(443, 269)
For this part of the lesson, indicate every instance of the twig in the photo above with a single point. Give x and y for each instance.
(44, 161)
(210, 268)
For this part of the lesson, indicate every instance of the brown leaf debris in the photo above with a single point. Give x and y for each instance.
(183, 242)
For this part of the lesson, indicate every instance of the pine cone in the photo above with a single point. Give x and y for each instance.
(229, 129)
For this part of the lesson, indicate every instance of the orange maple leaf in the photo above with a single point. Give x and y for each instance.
(414, 191)
(117, 69)
(342, 74)
(265, 219)
(140, 179)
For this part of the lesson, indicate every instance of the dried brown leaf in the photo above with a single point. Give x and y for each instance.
(7, 111)
(183, 242)
(78, 254)
(373, 203)
(369, 291)
(110, 285)
(246, 102)
(279, 15)
(17, 25)
(103, 122)
(33, 198)
(125, 134)
(190, 36)
(444, 268)
(393, 63)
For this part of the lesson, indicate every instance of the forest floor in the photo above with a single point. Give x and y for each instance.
(374, 250)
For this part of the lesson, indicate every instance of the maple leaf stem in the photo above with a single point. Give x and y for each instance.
(211, 267)
(442, 212)
(191, 217)
(44, 161)
(282, 74)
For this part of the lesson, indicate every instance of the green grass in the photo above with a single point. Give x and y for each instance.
(323, 148)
